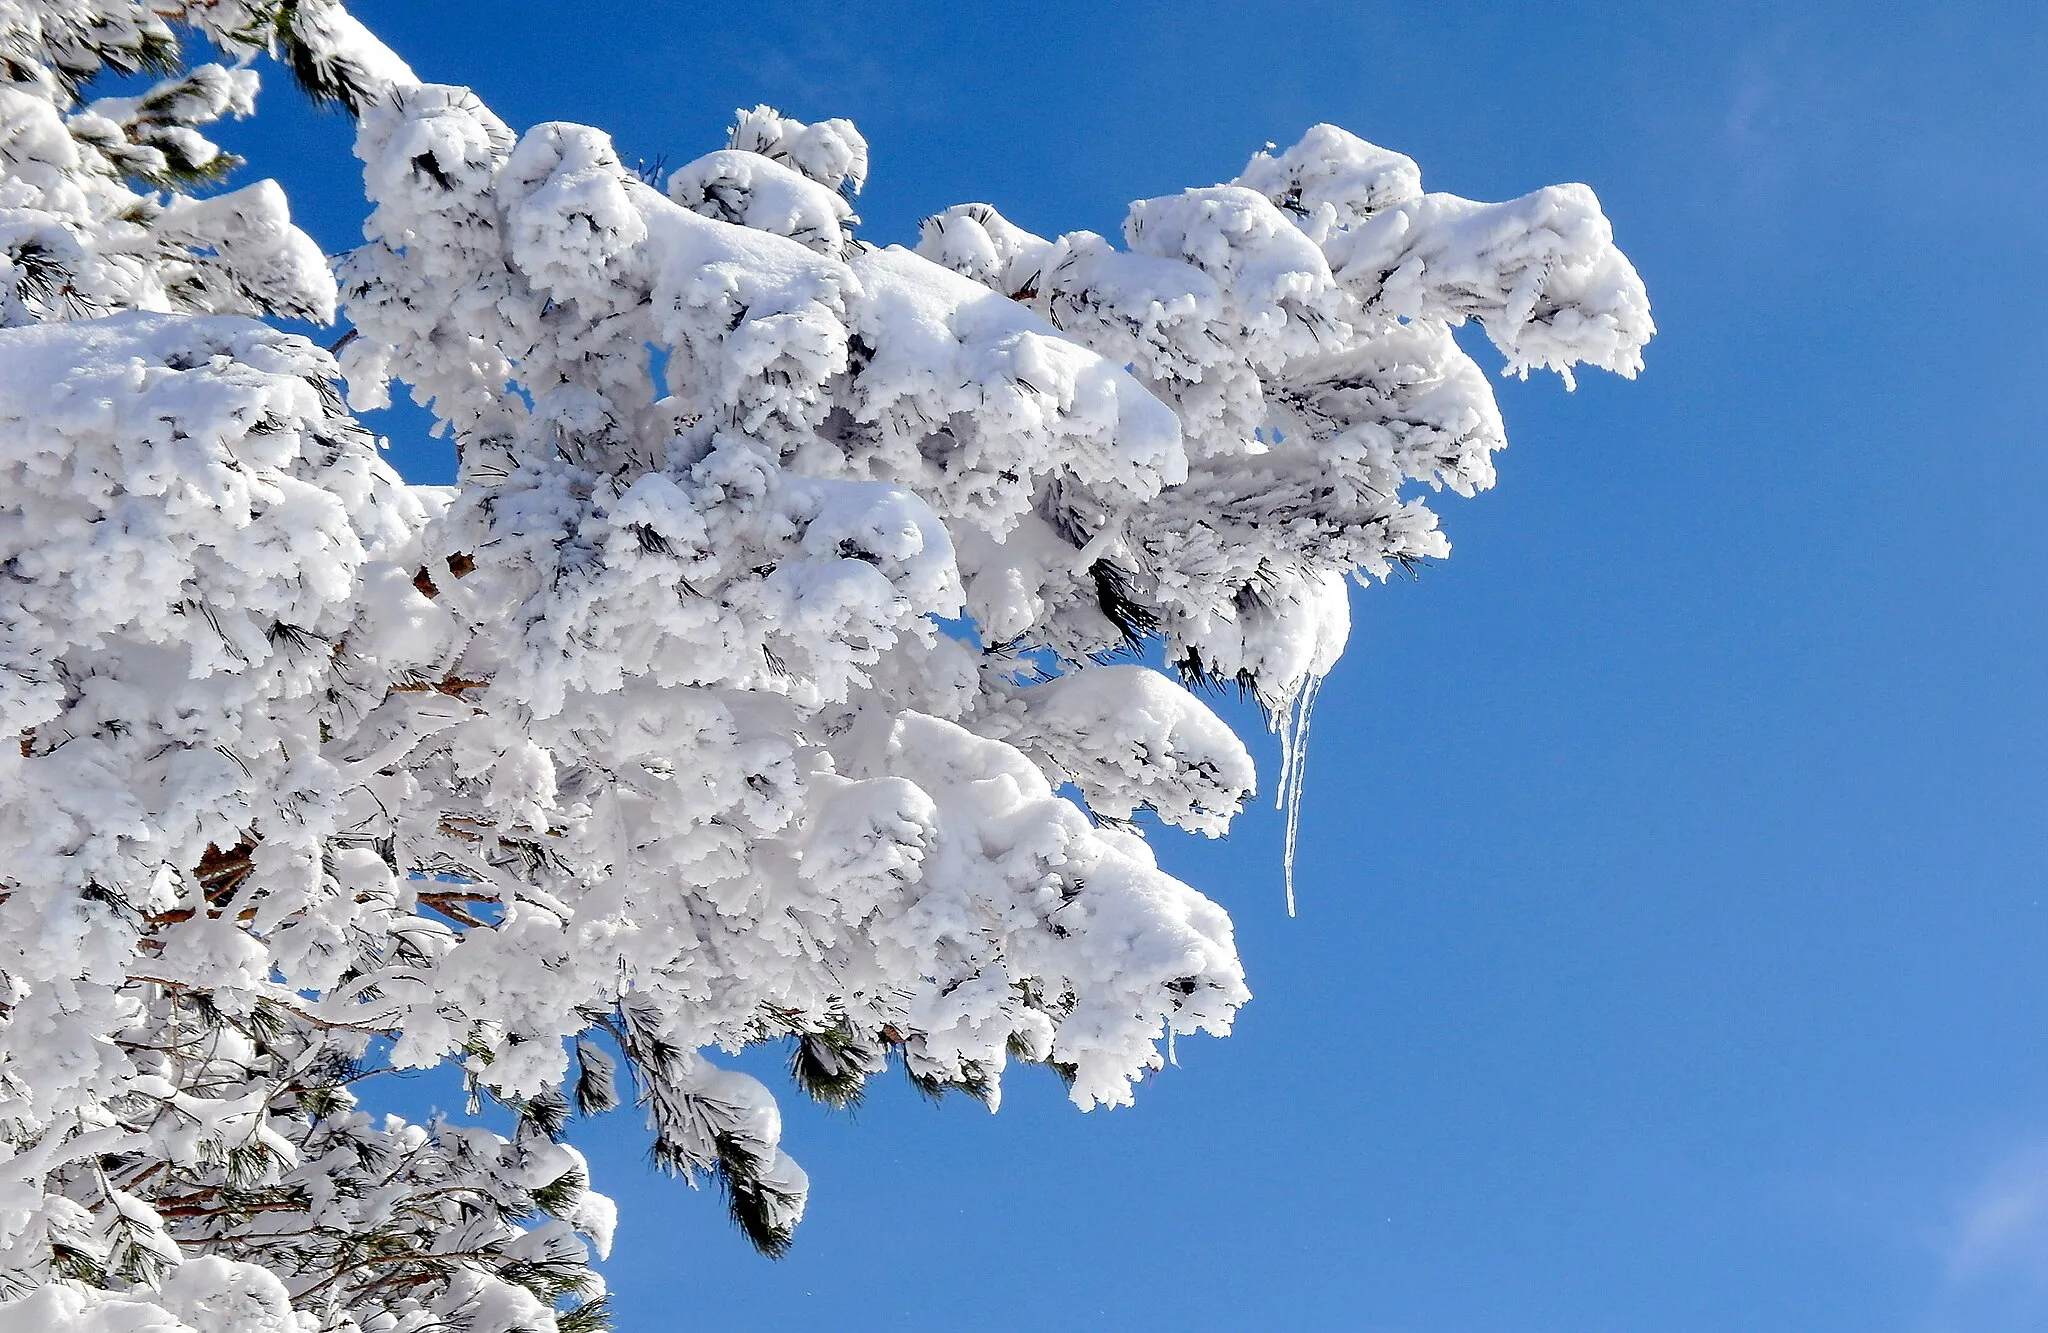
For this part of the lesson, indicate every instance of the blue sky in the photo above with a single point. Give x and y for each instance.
(1673, 951)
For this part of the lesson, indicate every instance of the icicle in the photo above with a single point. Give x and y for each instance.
(1293, 727)
(1171, 1058)
(1284, 724)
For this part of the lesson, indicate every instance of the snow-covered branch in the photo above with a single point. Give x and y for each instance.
(768, 674)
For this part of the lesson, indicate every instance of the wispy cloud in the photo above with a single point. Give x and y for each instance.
(1766, 113)
(2002, 1225)
(1994, 1249)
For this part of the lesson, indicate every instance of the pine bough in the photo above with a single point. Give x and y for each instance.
(729, 697)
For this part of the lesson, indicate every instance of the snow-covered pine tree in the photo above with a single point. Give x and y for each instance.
(729, 695)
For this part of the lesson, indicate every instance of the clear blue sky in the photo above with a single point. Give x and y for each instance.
(1673, 951)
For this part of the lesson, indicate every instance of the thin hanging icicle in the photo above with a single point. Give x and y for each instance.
(1293, 728)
